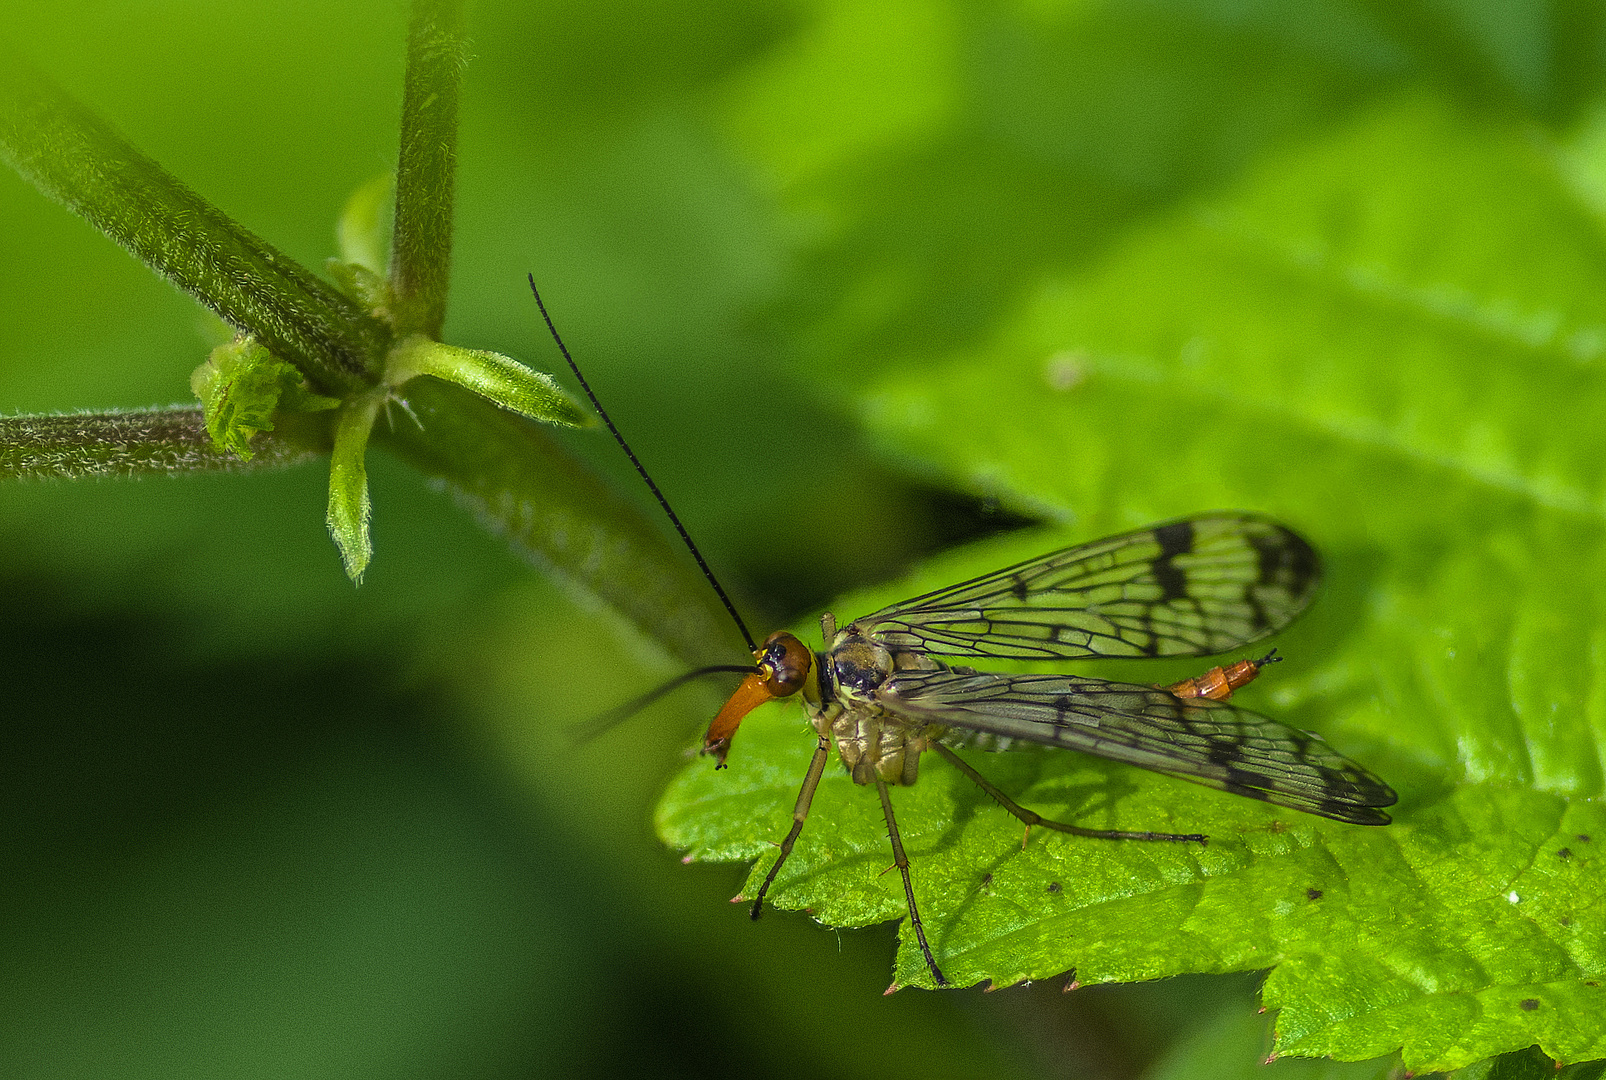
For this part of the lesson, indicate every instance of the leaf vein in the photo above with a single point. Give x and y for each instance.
(1364, 432)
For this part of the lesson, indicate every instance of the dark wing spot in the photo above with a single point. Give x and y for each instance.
(1018, 588)
(1285, 559)
(1174, 539)
(1172, 581)
(1240, 781)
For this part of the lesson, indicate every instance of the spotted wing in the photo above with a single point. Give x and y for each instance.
(1192, 587)
(1212, 743)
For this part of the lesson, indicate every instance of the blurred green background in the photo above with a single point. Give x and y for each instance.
(255, 822)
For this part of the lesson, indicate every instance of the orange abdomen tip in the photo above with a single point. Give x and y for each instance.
(1218, 683)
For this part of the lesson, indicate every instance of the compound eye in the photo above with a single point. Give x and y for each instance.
(785, 662)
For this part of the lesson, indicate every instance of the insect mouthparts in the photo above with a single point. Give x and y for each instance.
(783, 667)
(753, 692)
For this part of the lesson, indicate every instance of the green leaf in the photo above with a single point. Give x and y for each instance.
(348, 481)
(362, 230)
(363, 234)
(241, 385)
(420, 265)
(1390, 337)
(491, 375)
(77, 159)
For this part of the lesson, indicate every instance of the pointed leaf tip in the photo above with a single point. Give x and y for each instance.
(348, 482)
(491, 375)
(363, 231)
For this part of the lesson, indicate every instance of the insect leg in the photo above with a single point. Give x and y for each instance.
(800, 813)
(1031, 818)
(902, 862)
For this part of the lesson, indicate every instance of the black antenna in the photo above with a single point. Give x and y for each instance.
(752, 646)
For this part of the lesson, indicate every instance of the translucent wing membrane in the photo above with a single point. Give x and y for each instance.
(1193, 587)
(1209, 742)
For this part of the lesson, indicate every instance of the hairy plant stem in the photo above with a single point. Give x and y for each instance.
(76, 158)
(143, 443)
(421, 245)
(518, 480)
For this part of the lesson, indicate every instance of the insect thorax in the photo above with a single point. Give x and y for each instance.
(870, 740)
